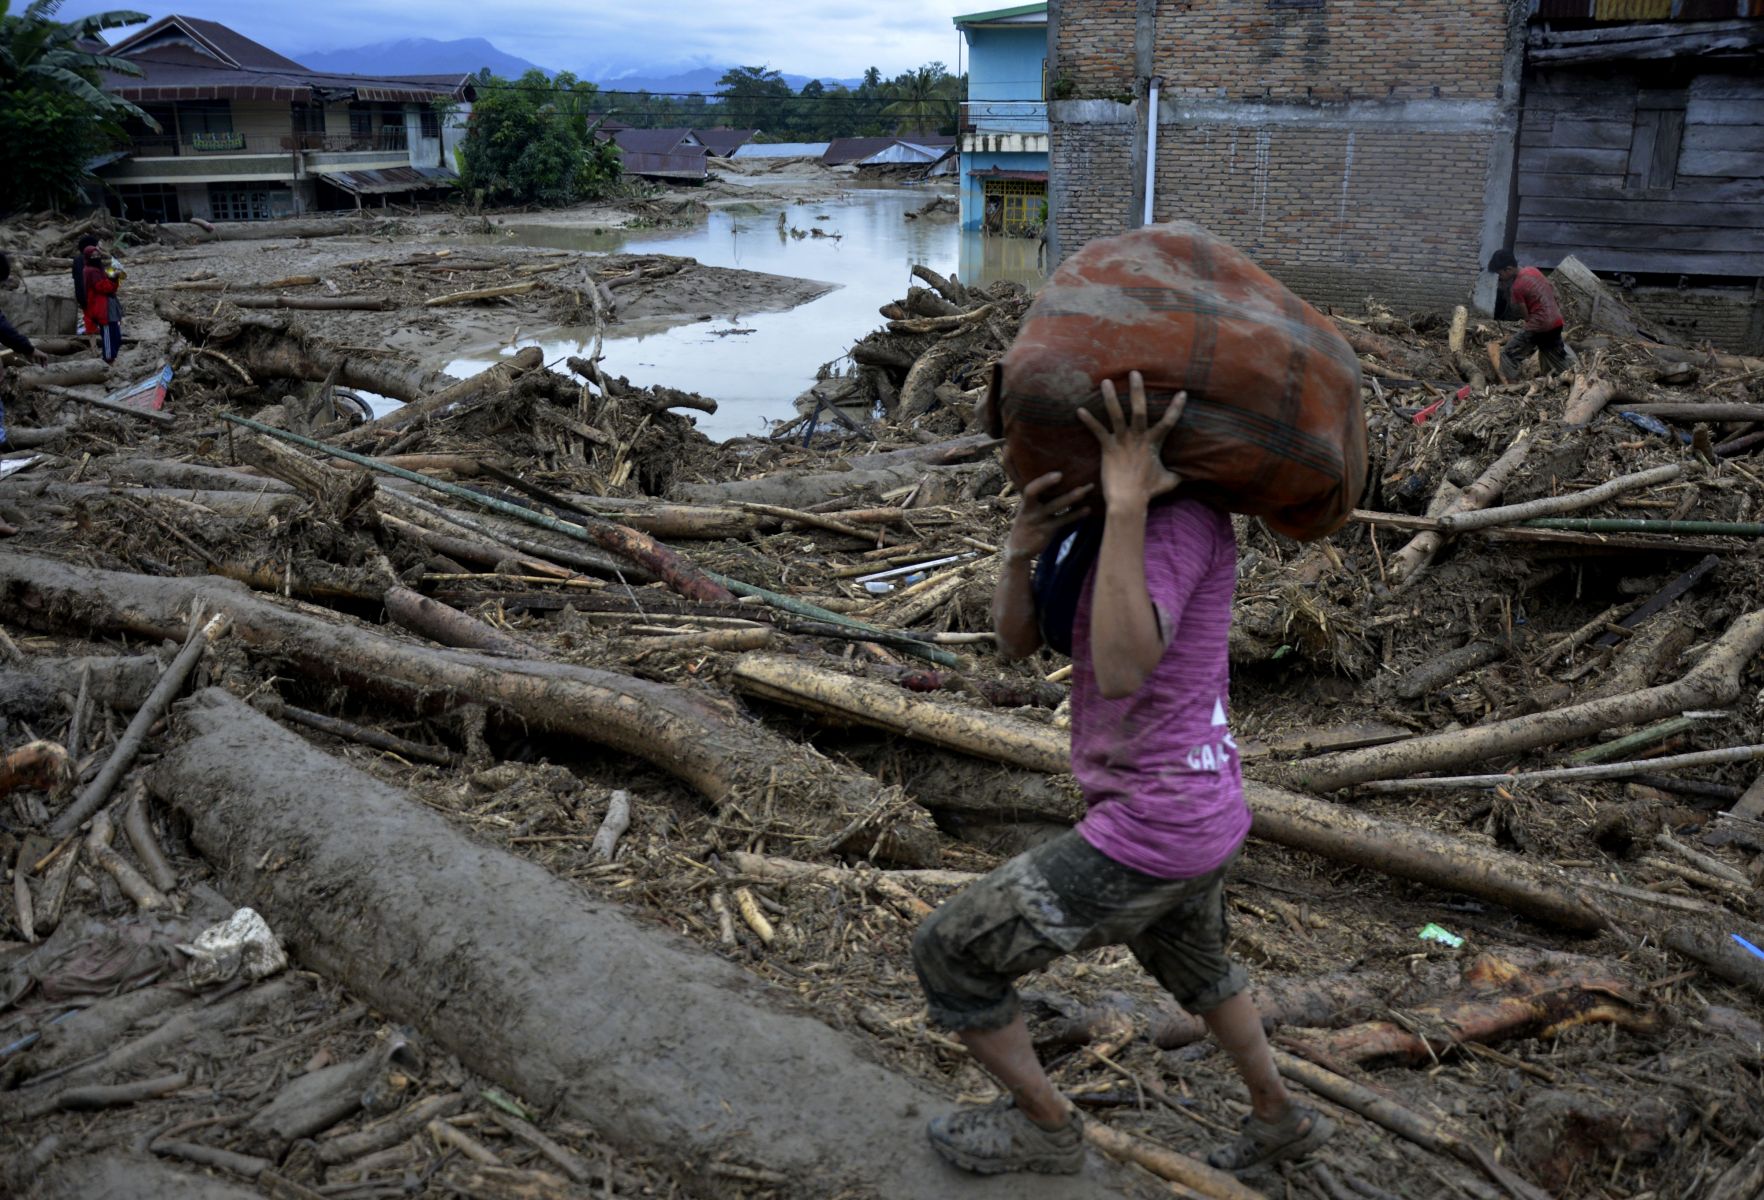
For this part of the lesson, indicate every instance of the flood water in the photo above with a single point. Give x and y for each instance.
(754, 377)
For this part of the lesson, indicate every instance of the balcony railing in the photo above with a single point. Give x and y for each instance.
(1004, 116)
(196, 145)
(392, 139)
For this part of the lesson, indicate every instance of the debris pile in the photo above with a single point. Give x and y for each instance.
(486, 691)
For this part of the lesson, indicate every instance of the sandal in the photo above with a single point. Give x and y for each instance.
(993, 1138)
(1264, 1143)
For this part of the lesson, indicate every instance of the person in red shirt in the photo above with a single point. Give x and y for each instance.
(1532, 295)
(103, 310)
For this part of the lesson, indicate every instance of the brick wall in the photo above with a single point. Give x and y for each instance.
(1310, 135)
(1091, 193)
(1335, 213)
(1095, 47)
(1725, 317)
(1334, 50)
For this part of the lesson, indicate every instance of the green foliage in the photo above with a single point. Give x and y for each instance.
(758, 98)
(54, 117)
(924, 100)
(751, 96)
(533, 142)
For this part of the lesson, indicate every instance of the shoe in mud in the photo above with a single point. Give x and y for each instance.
(1264, 1143)
(994, 1138)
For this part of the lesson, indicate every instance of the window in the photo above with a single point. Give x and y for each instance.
(308, 118)
(1015, 207)
(431, 125)
(157, 203)
(205, 116)
(361, 120)
(230, 203)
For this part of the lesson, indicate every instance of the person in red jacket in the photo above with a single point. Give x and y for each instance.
(103, 310)
(1532, 295)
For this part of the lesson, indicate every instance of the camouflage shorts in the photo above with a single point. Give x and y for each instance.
(1062, 897)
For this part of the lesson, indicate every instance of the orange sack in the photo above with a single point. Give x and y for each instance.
(1273, 426)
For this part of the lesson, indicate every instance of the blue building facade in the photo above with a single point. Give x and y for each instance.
(1004, 122)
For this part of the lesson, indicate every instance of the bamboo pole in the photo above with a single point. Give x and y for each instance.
(1550, 506)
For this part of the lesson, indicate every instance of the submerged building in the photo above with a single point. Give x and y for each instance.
(1004, 131)
(247, 134)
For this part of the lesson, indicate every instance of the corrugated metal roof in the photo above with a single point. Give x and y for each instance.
(1001, 14)
(782, 150)
(389, 179)
(724, 142)
(658, 141)
(855, 149)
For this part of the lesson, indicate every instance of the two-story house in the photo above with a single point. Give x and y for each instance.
(1004, 135)
(247, 134)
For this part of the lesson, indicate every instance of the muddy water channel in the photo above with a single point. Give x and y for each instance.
(755, 365)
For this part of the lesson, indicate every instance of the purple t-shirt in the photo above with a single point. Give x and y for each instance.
(1159, 768)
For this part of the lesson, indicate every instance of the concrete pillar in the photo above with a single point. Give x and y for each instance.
(1145, 44)
(1500, 190)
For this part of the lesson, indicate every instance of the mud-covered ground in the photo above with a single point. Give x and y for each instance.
(1655, 1095)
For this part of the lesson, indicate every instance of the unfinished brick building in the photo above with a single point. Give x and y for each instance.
(1376, 147)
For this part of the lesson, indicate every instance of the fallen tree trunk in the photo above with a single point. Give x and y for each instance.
(1690, 411)
(995, 736)
(63, 375)
(316, 303)
(456, 392)
(1287, 818)
(1407, 564)
(268, 346)
(1713, 682)
(1587, 399)
(147, 415)
(450, 627)
(257, 231)
(664, 1049)
(805, 490)
(1549, 506)
(223, 504)
(678, 572)
(714, 749)
(1424, 1131)
(1502, 1002)
(1311, 1002)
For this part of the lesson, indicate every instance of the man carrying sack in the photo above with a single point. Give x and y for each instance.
(1146, 866)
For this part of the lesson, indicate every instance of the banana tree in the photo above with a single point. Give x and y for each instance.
(37, 51)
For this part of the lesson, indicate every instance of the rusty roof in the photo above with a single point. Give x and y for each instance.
(389, 179)
(182, 58)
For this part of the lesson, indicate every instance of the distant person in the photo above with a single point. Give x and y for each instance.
(103, 310)
(1535, 298)
(88, 242)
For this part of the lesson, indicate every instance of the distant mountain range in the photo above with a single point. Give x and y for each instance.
(421, 56)
(429, 56)
(698, 79)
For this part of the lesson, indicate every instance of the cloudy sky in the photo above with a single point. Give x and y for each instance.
(834, 38)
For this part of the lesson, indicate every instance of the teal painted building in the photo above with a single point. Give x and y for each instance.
(1004, 122)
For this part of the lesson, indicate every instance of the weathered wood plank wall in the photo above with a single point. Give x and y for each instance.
(1643, 167)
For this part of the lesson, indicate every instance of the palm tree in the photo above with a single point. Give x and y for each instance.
(37, 51)
(918, 99)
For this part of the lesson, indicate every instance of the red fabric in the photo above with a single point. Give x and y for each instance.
(99, 289)
(1533, 293)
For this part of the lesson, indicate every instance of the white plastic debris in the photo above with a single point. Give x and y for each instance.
(243, 944)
